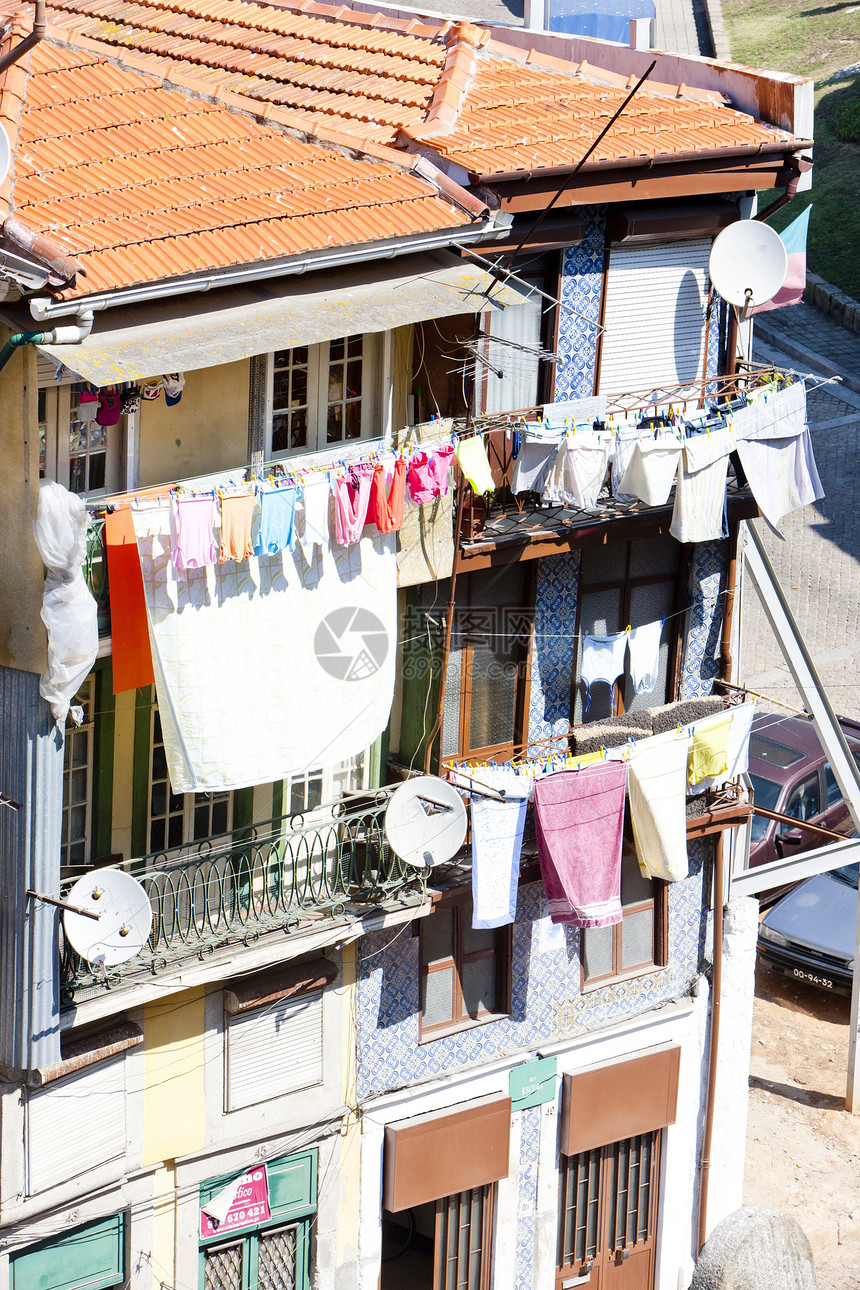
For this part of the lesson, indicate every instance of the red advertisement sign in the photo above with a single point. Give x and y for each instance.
(242, 1203)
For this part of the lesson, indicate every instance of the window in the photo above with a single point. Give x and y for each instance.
(465, 974)
(304, 793)
(75, 842)
(322, 395)
(179, 818)
(80, 454)
(607, 1213)
(274, 1254)
(637, 943)
(448, 1243)
(274, 1049)
(486, 685)
(516, 374)
(628, 584)
(804, 801)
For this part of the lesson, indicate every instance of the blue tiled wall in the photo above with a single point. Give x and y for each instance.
(701, 659)
(582, 274)
(546, 1001)
(555, 645)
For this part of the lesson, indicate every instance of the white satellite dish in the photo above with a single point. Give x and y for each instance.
(748, 263)
(425, 822)
(5, 154)
(124, 917)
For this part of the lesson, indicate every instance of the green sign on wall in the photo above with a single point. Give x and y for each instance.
(533, 1083)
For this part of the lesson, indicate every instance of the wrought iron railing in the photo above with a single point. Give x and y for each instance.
(253, 883)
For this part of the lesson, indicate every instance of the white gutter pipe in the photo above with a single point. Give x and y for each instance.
(43, 307)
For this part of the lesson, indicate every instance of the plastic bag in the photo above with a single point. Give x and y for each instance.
(68, 609)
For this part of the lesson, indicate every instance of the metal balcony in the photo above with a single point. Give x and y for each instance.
(274, 879)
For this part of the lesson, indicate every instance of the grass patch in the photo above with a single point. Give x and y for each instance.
(819, 42)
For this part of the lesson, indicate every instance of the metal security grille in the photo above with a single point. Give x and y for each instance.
(463, 1227)
(580, 1207)
(631, 1165)
(222, 1268)
(276, 1264)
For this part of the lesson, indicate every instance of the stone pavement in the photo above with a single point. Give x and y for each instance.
(807, 335)
(818, 563)
(682, 25)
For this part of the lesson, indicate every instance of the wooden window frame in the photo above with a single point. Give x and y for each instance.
(524, 661)
(501, 951)
(319, 365)
(659, 904)
(626, 583)
(545, 271)
(58, 404)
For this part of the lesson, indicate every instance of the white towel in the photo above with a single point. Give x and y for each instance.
(737, 749)
(497, 839)
(781, 474)
(651, 472)
(656, 784)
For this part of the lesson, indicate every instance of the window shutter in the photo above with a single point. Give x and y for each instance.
(274, 1050)
(61, 1141)
(656, 298)
(90, 1257)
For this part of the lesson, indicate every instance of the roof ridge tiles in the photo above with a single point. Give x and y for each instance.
(466, 43)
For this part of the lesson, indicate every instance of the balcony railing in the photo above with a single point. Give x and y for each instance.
(255, 883)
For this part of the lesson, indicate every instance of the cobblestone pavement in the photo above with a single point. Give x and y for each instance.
(803, 328)
(818, 566)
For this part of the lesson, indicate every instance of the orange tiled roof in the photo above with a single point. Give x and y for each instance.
(495, 115)
(369, 76)
(141, 182)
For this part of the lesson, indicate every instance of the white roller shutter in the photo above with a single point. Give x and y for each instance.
(76, 1124)
(274, 1050)
(656, 298)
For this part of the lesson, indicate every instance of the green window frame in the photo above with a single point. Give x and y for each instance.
(92, 1257)
(235, 1261)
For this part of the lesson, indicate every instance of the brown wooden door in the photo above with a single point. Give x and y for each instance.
(464, 1227)
(608, 1216)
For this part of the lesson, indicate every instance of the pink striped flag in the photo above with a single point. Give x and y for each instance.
(791, 291)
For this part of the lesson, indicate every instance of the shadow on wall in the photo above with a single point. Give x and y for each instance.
(689, 312)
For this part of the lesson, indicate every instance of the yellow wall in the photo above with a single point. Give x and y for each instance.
(173, 1105)
(23, 642)
(123, 774)
(206, 431)
(164, 1226)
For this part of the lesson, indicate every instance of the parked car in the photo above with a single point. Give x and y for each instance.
(790, 774)
(809, 934)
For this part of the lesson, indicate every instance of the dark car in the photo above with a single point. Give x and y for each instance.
(809, 934)
(790, 774)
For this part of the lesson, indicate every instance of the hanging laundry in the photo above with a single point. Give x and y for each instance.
(776, 414)
(475, 464)
(737, 748)
(624, 439)
(109, 407)
(602, 660)
(151, 388)
(644, 644)
(428, 471)
(579, 820)
(699, 513)
(277, 529)
(536, 456)
(709, 755)
(497, 839)
(651, 472)
(174, 384)
(131, 656)
(313, 527)
(386, 511)
(351, 492)
(192, 522)
(781, 473)
(237, 512)
(586, 467)
(657, 789)
(130, 399)
(88, 404)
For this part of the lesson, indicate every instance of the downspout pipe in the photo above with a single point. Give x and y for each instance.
(713, 1047)
(58, 336)
(802, 164)
(38, 31)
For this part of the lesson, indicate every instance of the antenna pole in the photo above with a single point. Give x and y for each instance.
(63, 904)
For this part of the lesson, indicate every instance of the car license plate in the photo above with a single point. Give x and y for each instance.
(822, 981)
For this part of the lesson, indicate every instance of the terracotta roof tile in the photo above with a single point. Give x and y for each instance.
(144, 181)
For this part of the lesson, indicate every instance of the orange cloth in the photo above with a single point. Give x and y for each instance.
(236, 515)
(132, 658)
(387, 512)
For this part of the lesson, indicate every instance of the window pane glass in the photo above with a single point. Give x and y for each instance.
(637, 939)
(437, 936)
(597, 951)
(479, 986)
(222, 1269)
(657, 555)
(437, 996)
(492, 714)
(276, 1256)
(834, 793)
(604, 564)
(635, 887)
(451, 716)
(482, 939)
(804, 801)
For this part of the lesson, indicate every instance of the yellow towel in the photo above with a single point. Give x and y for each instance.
(475, 464)
(710, 748)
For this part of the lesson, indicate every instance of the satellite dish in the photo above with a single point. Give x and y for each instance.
(124, 917)
(5, 154)
(748, 263)
(425, 823)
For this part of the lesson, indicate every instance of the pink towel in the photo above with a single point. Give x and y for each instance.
(579, 820)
